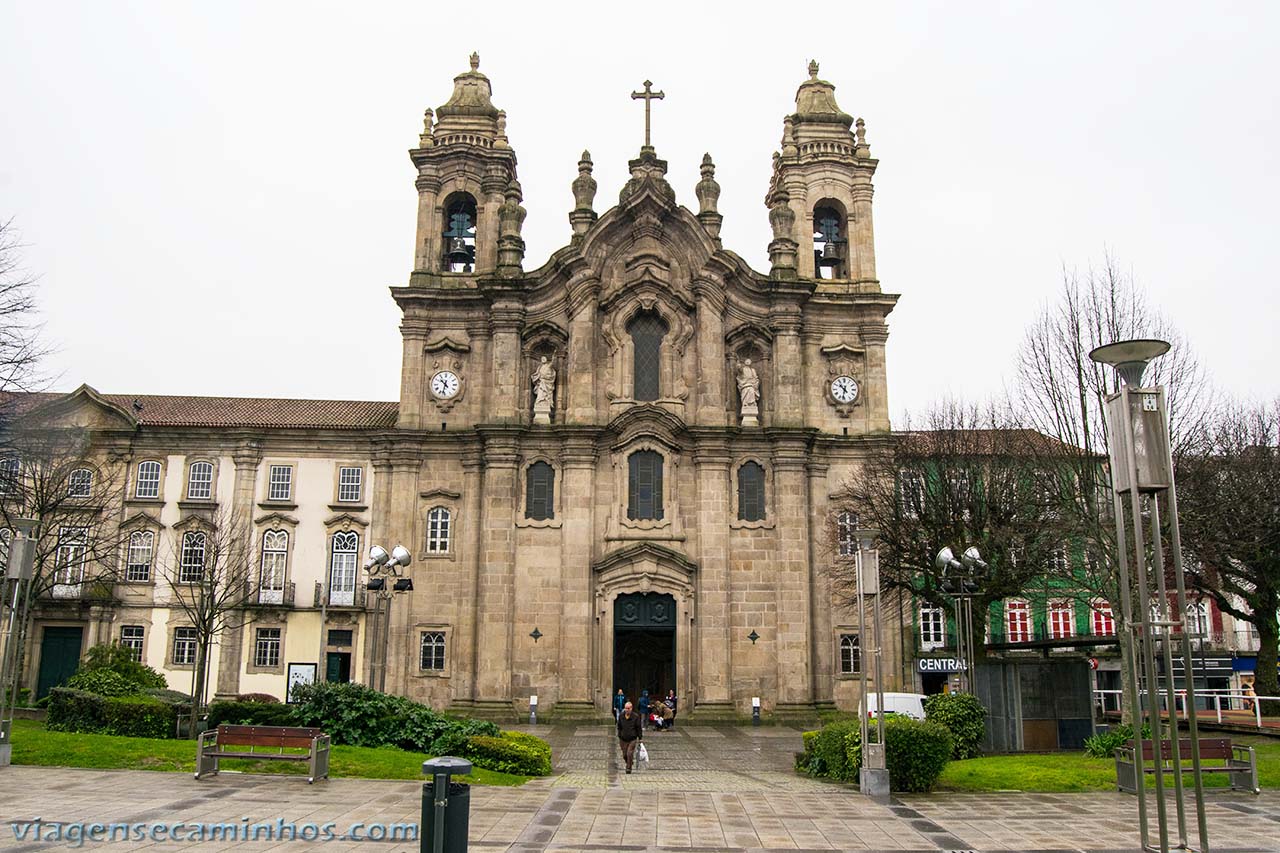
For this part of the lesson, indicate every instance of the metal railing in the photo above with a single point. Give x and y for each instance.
(1236, 705)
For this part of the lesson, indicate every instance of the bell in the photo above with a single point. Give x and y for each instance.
(457, 246)
(829, 251)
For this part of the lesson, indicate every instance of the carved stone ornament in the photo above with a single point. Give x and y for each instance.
(445, 382)
(844, 361)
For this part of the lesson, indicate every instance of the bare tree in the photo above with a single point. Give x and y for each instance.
(1229, 509)
(209, 572)
(966, 476)
(1062, 393)
(51, 473)
(21, 348)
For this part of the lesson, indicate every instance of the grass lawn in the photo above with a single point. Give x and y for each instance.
(33, 744)
(1062, 772)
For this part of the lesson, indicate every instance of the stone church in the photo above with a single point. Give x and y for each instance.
(612, 471)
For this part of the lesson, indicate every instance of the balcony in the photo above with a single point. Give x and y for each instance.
(85, 590)
(270, 596)
(353, 598)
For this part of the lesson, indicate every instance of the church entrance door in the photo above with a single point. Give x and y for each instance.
(644, 644)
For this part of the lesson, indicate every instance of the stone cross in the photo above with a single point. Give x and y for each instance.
(648, 96)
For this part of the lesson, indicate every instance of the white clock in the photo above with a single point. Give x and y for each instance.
(445, 384)
(844, 389)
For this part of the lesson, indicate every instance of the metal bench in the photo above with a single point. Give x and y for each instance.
(1238, 762)
(245, 741)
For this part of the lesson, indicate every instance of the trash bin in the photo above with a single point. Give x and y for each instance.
(457, 818)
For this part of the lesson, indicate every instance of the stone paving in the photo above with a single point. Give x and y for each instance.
(705, 789)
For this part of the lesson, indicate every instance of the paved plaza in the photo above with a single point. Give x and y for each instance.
(706, 788)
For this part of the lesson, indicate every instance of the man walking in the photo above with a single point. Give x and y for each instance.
(629, 734)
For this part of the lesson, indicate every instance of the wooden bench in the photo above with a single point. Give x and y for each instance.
(1238, 762)
(245, 741)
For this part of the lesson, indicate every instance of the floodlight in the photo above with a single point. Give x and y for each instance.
(972, 559)
(376, 584)
(946, 561)
(400, 556)
(1130, 358)
(378, 556)
(403, 585)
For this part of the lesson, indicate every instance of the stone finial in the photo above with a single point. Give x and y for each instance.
(584, 196)
(861, 148)
(500, 136)
(813, 69)
(781, 216)
(789, 146)
(426, 139)
(510, 220)
(708, 192)
(475, 61)
(782, 251)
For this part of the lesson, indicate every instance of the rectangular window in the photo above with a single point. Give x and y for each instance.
(1061, 619)
(344, 561)
(645, 493)
(138, 562)
(131, 637)
(10, 475)
(184, 646)
(933, 627)
(438, 528)
(847, 533)
(200, 481)
(751, 492)
(850, 654)
(280, 483)
(350, 481)
(1059, 562)
(1017, 621)
(539, 499)
(432, 657)
(80, 483)
(266, 651)
(148, 482)
(911, 493)
(191, 563)
(73, 542)
(340, 637)
(1104, 623)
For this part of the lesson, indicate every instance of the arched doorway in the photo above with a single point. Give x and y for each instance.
(644, 643)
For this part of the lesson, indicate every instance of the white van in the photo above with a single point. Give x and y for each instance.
(906, 704)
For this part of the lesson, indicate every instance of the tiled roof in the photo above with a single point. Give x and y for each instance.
(252, 412)
(983, 442)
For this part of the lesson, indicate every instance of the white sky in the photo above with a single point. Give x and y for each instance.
(216, 196)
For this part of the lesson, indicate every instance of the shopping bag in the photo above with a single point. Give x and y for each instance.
(642, 754)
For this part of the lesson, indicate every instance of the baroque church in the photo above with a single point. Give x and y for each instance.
(611, 472)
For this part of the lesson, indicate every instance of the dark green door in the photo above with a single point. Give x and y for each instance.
(644, 644)
(59, 657)
(338, 667)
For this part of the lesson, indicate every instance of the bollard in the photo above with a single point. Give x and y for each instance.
(445, 807)
(755, 710)
(533, 709)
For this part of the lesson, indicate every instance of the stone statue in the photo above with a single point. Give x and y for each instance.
(544, 389)
(749, 392)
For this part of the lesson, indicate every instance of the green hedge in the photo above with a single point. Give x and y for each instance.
(131, 716)
(251, 714)
(1105, 744)
(104, 682)
(964, 717)
(511, 752)
(916, 752)
(115, 658)
(829, 755)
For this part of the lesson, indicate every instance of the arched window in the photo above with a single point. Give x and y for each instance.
(459, 233)
(6, 539)
(850, 654)
(539, 499)
(138, 561)
(830, 242)
(147, 484)
(644, 494)
(344, 548)
(439, 529)
(10, 475)
(80, 483)
(1197, 621)
(647, 330)
(200, 481)
(191, 563)
(275, 557)
(751, 492)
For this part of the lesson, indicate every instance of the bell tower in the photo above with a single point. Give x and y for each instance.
(465, 170)
(823, 175)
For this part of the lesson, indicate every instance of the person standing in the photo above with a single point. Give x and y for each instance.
(630, 733)
(644, 706)
(618, 702)
(671, 703)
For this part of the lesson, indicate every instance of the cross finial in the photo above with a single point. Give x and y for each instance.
(813, 69)
(475, 61)
(648, 96)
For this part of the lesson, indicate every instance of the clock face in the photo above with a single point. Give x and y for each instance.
(844, 389)
(445, 384)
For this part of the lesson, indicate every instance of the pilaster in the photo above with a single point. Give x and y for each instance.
(821, 639)
(412, 382)
(584, 306)
(495, 599)
(468, 626)
(714, 672)
(578, 462)
(247, 456)
(405, 465)
(874, 337)
(788, 375)
(793, 566)
(710, 385)
(506, 319)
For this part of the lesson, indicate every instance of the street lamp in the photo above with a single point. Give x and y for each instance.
(19, 571)
(381, 568)
(874, 775)
(960, 581)
(1142, 468)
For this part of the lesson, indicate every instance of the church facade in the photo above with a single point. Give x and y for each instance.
(612, 471)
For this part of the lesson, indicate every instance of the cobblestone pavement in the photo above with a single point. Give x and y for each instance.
(705, 789)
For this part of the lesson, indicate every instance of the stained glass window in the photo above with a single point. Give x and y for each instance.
(540, 492)
(647, 330)
(645, 493)
(751, 492)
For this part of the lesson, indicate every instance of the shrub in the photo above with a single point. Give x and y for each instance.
(169, 697)
(118, 659)
(131, 716)
(916, 751)
(511, 752)
(964, 716)
(104, 682)
(805, 759)
(1105, 744)
(251, 714)
(256, 697)
(830, 751)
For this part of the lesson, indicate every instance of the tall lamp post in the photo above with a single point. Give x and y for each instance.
(960, 581)
(1142, 472)
(19, 571)
(383, 567)
(874, 775)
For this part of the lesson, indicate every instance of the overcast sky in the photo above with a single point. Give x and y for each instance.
(217, 196)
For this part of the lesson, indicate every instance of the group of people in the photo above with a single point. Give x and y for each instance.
(632, 722)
